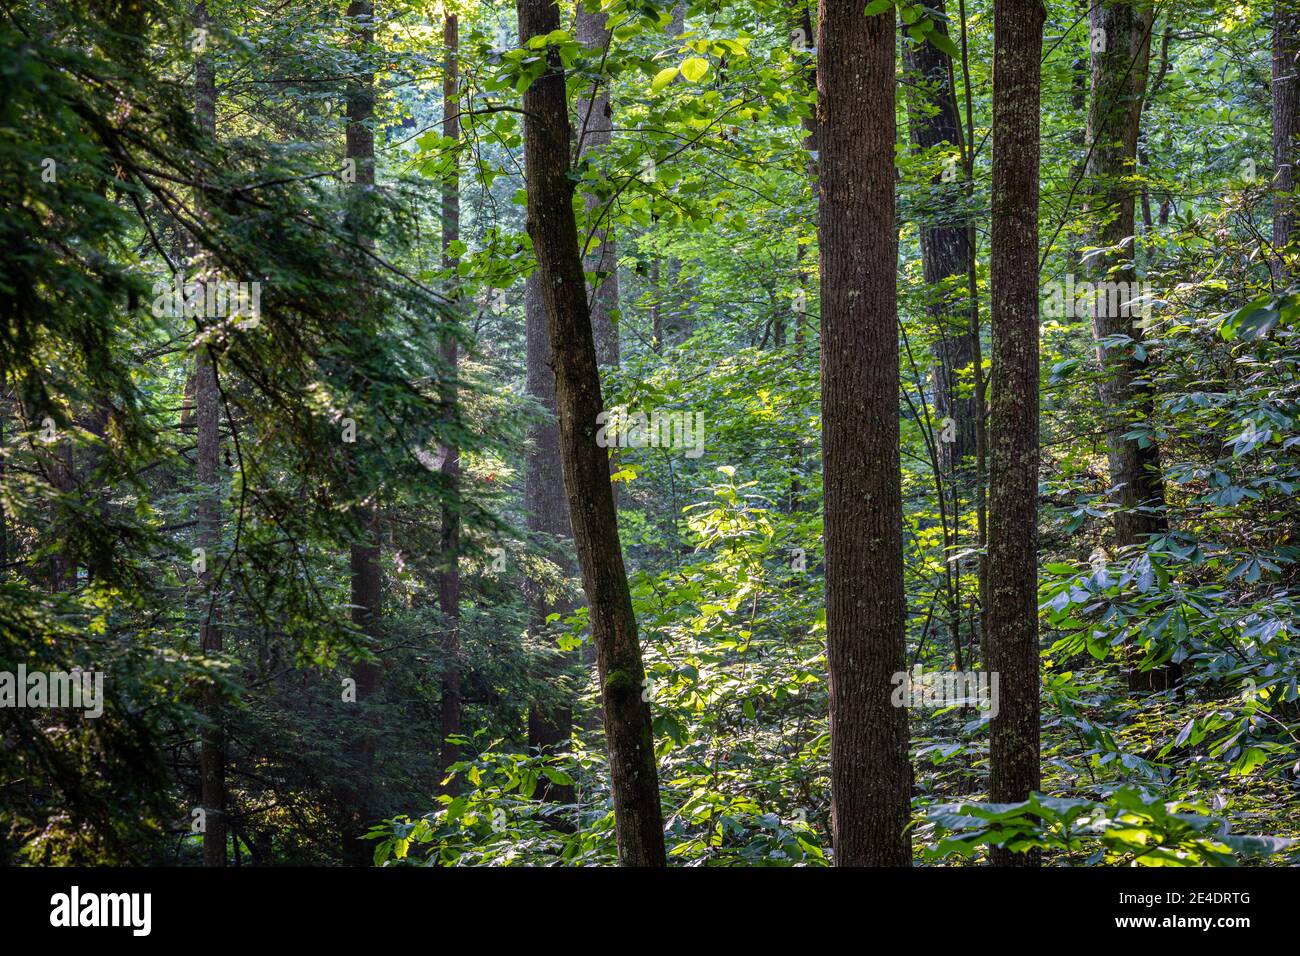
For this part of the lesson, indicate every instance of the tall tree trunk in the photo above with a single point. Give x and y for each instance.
(449, 576)
(1011, 644)
(207, 401)
(871, 777)
(638, 818)
(595, 127)
(1286, 131)
(1119, 83)
(945, 248)
(1119, 77)
(802, 35)
(212, 750)
(549, 728)
(363, 555)
(973, 325)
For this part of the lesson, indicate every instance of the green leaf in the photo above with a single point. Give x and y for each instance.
(663, 78)
(694, 68)
(944, 43)
(558, 777)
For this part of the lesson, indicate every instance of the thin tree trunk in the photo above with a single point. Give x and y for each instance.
(549, 728)
(363, 556)
(1011, 644)
(449, 576)
(595, 126)
(802, 33)
(207, 401)
(656, 309)
(638, 819)
(945, 247)
(1286, 131)
(975, 331)
(871, 778)
(595, 129)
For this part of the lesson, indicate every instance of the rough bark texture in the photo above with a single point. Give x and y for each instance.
(1286, 129)
(551, 224)
(363, 556)
(366, 600)
(1011, 643)
(212, 749)
(865, 607)
(449, 575)
(595, 124)
(802, 32)
(1119, 83)
(1119, 77)
(945, 246)
(549, 728)
(207, 401)
(595, 127)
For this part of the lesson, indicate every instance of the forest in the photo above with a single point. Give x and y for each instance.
(643, 433)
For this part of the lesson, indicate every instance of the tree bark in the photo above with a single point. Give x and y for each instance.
(595, 127)
(1119, 78)
(449, 576)
(1119, 83)
(600, 259)
(549, 728)
(802, 32)
(364, 556)
(1286, 132)
(551, 223)
(945, 248)
(871, 777)
(207, 401)
(1011, 644)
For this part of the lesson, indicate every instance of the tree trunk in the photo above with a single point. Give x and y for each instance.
(364, 555)
(1011, 643)
(637, 816)
(945, 247)
(449, 576)
(212, 751)
(871, 777)
(1286, 131)
(549, 728)
(1119, 83)
(594, 130)
(207, 414)
(1119, 77)
(366, 601)
(600, 253)
(802, 36)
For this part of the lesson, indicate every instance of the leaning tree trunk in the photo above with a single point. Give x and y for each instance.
(363, 555)
(600, 253)
(1011, 644)
(638, 820)
(871, 778)
(449, 575)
